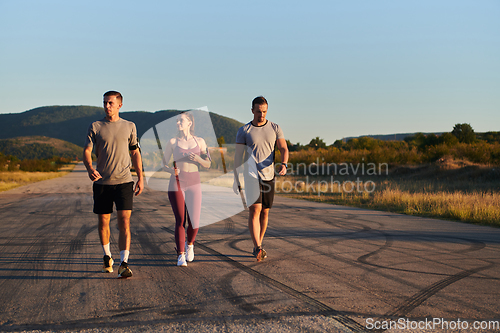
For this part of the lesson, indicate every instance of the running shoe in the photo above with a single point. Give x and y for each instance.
(124, 271)
(181, 260)
(108, 264)
(189, 252)
(258, 253)
(264, 253)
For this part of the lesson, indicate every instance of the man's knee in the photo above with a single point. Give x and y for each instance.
(104, 220)
(123, 217)
(255, 209)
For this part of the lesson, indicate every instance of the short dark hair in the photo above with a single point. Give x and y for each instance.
(259, 100)
(114, 93)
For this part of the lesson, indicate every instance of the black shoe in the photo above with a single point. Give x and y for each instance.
(108, 264)
(124, 271)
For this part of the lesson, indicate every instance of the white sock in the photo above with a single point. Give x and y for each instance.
(106, 250)
(124, 255)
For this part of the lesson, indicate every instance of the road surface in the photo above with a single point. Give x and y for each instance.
(330, 268)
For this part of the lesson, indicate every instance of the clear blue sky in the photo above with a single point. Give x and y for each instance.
(328, 68)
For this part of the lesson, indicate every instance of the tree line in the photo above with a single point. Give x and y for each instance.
(12, 163)
(461, 143)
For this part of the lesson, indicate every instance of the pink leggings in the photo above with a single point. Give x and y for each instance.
(187, 196)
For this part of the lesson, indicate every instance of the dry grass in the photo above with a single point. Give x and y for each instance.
(13, 179)
(467, 199)
(476, 207)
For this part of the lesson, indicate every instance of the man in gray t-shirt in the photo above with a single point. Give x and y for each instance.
(257, 140)
(112, 141)
(112, 138)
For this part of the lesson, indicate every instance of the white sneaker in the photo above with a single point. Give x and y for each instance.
(181, 260)
(189, 252)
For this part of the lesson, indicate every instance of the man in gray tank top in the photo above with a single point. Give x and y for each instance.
(111, 139)
(257, 140)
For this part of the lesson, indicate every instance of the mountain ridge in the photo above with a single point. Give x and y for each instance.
(39, 147)
(390, 137)
(70, 122)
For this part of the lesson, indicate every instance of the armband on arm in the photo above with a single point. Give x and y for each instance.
(134, 147)
(206, 155)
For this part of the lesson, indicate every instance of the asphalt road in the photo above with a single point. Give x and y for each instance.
(330, 268)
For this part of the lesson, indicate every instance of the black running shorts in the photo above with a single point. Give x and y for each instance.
(265, 196)
(104, 196)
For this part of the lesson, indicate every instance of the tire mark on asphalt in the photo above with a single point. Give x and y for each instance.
(355, 229)
(178, 316)
(388, 243)
(428, 292)
(349, 262)
(414, 301)
(144, 238)
(278, 235)
(240, 300)
(233, 297)
(61, 215)
(418, 298)
(475, 245)
(233, 244)
(370, 268)
(76, 244)
(228, 226)
(323, 308)
(48, 228)
(32, 257)
(221, 240)
(148, 239)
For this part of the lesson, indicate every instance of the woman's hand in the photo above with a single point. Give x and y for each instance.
(194, 158)
(198, 159)
(174, 170)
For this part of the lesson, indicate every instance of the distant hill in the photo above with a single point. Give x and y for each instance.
(70, 123)
(39, 147)
(389, 137)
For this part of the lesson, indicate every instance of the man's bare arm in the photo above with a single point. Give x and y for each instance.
(137, 163)
(238, 159)
(283, 148)
(87, 161)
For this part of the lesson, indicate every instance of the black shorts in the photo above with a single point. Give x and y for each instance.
(104, 196)
(265, 194)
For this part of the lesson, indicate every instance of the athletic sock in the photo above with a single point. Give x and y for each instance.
(106, 250)
(124, 255)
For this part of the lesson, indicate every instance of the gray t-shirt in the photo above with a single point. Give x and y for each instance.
(260, 142)
(111, 142)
